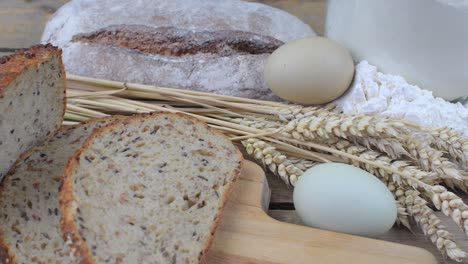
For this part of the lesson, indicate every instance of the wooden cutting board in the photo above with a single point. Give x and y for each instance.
(246, 234)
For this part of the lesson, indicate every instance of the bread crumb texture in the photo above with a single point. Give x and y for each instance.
(32, 100)
(29, 208)
(148, 190)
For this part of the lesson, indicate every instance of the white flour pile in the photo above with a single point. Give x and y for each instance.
(391, 96)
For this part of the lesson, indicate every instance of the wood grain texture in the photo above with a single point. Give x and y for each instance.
(246, 234)
(22, 21)
(396, 234)
(280, 192)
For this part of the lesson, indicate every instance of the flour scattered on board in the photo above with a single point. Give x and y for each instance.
(391, 96)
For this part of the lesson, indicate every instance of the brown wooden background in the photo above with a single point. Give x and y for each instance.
(21, 25)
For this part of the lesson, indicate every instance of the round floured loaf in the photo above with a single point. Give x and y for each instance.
(147, 189)
(206, 45)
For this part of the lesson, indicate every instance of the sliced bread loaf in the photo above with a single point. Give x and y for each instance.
(32, 100)
(29, 215)
(148, 189)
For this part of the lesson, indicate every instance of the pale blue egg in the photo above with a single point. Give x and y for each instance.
(343, 198)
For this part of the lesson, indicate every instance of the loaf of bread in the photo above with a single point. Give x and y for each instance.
(29, 214)
(148, 189)
(32, 100)
(205, 45)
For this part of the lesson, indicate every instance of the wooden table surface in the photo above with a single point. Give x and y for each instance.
(22, 23)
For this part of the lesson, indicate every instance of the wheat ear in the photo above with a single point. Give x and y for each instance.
(295, 112)
(390, 146)
(408, 203)
(393, 147)
(402, 214)
(287, 168)
(431, 226)
(310, 128)
(367, 130)
(451, 205)
(453, 142)
(430, 159)
(400, 165)
(446, 139)
(363, 130)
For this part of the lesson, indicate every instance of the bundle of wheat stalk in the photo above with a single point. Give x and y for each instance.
(417, 163)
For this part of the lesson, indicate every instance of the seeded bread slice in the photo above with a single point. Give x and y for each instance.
(148, 189)
(32, 100)
(29, 215)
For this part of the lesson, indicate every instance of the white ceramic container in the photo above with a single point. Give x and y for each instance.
(425, 41)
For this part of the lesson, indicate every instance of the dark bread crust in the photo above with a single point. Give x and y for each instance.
(70, 230)
(220, 211)
(7, 255)
(172, 41)
(228, 191)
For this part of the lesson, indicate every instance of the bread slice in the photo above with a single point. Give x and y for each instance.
(29, 215)
(148, 189)
(32, 100)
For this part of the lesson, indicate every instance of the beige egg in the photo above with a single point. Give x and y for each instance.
(309, 71)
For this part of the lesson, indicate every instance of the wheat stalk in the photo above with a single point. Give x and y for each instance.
(91, 84)
(445, 139)
(261, 107)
